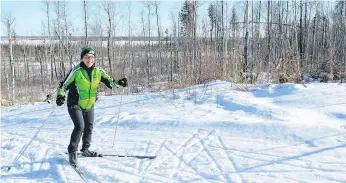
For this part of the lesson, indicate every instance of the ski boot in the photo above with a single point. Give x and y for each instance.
(88, 153)
(72, 157)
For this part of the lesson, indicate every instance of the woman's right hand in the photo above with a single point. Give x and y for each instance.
(60, 100)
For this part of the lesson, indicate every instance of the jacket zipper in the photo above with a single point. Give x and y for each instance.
(90, 78)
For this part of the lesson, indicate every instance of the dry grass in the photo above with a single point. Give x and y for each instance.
(171, 86)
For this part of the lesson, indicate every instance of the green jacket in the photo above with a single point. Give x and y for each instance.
(82, 83)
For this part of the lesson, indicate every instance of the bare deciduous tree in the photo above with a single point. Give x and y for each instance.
(9, 24)
(85, 9)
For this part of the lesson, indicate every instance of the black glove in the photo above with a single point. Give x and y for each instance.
(123, 82)
(60, 100)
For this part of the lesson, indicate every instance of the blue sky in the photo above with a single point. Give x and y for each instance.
(29, 15)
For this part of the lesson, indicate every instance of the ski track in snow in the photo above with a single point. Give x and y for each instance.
(181, 153)
(234, 166)
(213, 133)
(150, 162)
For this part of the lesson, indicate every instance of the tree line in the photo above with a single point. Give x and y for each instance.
(277, 41)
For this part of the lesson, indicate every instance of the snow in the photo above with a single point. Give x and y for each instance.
(213, 133)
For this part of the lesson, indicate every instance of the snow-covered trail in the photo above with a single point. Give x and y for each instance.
(276, 133)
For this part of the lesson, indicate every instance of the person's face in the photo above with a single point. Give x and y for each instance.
(88, 60)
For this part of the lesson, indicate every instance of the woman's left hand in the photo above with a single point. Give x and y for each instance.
(123, 82)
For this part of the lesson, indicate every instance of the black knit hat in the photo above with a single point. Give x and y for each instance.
(86, 50)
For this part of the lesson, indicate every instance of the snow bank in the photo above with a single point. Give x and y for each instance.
(204, 133)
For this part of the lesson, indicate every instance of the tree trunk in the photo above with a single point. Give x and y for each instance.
(300, 46)
(269, 37)
(9, 23)
(159, 36)
(109, 36)
(246, 36)
(85, 22)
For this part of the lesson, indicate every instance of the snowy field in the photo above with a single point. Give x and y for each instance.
(277, 133)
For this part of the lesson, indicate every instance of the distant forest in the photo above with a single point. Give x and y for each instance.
(264, 41)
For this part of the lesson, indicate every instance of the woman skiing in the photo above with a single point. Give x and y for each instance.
(82, 83)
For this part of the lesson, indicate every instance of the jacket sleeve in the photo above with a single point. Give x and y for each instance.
(63, 86)
(107, 80)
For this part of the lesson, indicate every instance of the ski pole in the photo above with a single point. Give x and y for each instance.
(28, 144)
(116, 126)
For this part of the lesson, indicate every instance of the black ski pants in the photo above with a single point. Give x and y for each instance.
(83, 120)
